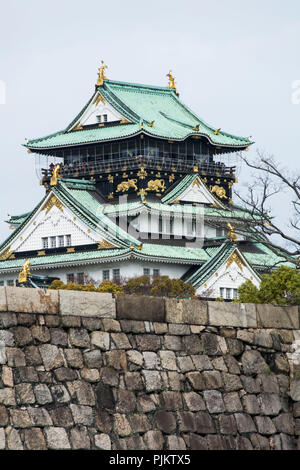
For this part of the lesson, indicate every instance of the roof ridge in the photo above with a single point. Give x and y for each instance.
(139, 85)
(213, 262)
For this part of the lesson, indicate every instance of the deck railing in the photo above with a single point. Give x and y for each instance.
(178, 165)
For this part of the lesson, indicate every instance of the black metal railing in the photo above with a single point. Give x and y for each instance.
(113, 164)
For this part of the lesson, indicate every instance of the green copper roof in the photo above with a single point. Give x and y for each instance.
(211, 266)
(17, 219)
(136, 207)
(266, 258)
(85, 204)
(149, 252)
(180, 187)
(141, 104)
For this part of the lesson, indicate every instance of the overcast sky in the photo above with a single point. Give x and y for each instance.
(234, 62)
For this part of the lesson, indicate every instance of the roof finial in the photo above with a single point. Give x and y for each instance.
(101, 75)
(55, 175)
(171, 80)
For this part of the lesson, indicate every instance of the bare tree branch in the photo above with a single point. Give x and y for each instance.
(257, 223)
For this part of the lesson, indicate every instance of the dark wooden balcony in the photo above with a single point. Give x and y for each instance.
(117, 163)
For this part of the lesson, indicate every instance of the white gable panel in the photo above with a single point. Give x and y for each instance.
(100, 108)
(195, 194)
(53, 219)
(198, 192)
(230, 277)
(54, 224)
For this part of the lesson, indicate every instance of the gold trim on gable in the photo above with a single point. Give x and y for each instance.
(235, 258)
(99, 98)
(7, 254)
(52, 201)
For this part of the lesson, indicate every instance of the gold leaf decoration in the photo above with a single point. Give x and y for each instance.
(52, 201)
(235, 258)
(156, 185)
(104, 245)
(220, 192)
(142, 173)
(25, 272)
(6, 254)
(125, 185)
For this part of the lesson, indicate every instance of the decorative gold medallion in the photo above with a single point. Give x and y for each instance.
(142, 173)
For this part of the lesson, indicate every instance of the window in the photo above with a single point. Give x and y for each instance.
(171, 225)
(10, 282)
(156, 273)
(1, 283)
(146, 271)
(68, 240)
(228, 293)
(160, 224)
(98, 118)
(45, 242)
(222, 292)
(53, 242)
(194, 226)
(116, 275)
(105, 274)
(70, 277)
(80, 278)
(235, 294)
(61, 240)
(104, 117)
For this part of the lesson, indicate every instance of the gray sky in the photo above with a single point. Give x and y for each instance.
(234, 63)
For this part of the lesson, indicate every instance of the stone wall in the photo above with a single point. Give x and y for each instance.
(88, 371)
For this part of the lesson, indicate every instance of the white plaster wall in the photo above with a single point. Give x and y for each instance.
(54, 223)
(128, 269)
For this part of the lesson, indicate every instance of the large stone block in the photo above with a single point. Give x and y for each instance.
(232, 314)
(31, 300)
(86, 304)
(142, 307)
(193, 312)
(3, 303)
(275, 316)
